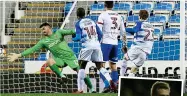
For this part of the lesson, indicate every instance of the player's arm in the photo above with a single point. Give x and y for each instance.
(100, 22)
(122, 31)
(78, 32)
(66, 32)
(100, 34)
(123, 36)
(13, 56)
(135, 29)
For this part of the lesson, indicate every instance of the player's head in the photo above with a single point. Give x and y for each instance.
(80, 13)
(46, 29)
(160, 89)
(109, 4)
(143, 14)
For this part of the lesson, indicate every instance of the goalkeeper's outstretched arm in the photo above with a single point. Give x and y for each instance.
(66, 32)
(13, 56)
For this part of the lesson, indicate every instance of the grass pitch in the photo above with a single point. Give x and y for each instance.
(61, 94)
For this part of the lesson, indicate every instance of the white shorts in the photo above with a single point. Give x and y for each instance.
(136, 55)
(94, 55)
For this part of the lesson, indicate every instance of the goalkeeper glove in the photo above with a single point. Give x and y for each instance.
(13, 56)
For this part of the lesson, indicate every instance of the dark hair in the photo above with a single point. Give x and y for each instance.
(109, 4)
(45, 24)
(80, 12)
(159, 85)
(143, 14)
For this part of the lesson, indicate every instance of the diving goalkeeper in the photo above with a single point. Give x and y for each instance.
(55, 43)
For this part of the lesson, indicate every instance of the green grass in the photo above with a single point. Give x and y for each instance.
(63, 94)
(60, 94)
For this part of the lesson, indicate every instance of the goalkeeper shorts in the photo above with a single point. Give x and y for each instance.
(72, 63)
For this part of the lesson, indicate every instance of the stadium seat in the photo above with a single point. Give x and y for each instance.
(174, 19)
(97, 7)
(156, 31)
(42, 57)
(165, 8)
(157, 19)
(67, 7)
(177, 6)
(54, 29)
(121, 6)
(171, 31)
(133, 18)
(165, 50)
(93, 17)
(142, 6)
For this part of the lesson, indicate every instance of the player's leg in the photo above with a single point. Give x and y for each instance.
(123, 68)
(84, 57)
(105, 48)
(97, 58)
(113, 57)
(53, 64)
(138, 57)
(82, 77)
(131, 54)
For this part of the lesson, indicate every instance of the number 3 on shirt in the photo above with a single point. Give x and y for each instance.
(114, 19)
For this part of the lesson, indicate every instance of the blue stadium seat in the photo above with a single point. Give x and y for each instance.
(121, 6)
(157, 19)
(165, 50)
(163, 6)
(174, 19)
(156, 31)
(171, 31)
(42, 57)
(67, 7)
(97, 7)
(93, 17)
(133, 18)
(185, 6)
(54, 29)
(142, 6)
(177, 6)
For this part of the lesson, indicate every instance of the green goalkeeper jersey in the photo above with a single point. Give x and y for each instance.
(56, 44)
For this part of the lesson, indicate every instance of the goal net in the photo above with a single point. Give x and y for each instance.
(21, 21)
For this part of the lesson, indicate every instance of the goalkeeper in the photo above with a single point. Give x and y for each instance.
(55, 43)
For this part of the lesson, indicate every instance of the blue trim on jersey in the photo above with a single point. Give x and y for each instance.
(138, 36)
(78, 31)
(135, 29)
